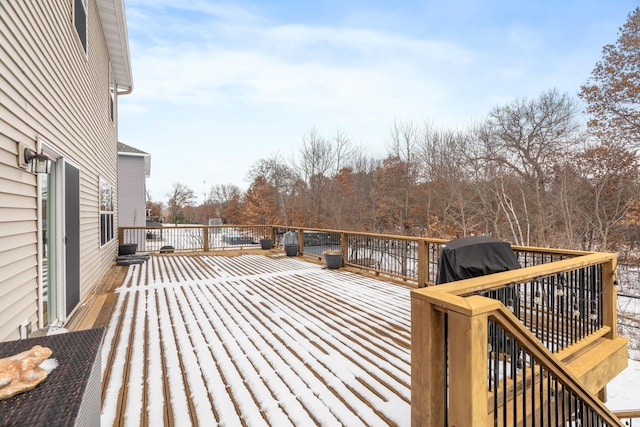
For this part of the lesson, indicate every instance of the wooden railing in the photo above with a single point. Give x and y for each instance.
(411, 260)
(407, 259)
(629, 417)
(497, 346)
(194, 238)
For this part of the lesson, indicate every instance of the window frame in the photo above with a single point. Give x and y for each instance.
(81, 22)
(106, 209)
(112, 94)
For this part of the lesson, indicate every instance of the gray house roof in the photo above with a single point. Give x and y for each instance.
(127, 150)
(124, 149)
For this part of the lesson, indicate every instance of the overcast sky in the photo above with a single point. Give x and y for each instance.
(221, 85)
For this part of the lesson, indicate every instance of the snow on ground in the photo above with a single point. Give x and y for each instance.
(628, 305)
(622, 392)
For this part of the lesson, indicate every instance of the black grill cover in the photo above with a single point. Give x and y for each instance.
(473, 257)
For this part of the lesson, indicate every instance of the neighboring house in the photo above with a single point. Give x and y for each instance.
(63, 64)
(134, 166)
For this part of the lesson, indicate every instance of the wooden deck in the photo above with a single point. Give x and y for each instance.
(249, 340)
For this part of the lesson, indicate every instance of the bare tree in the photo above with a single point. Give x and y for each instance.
(404, 143)
(353, 205)
(528, 138)
(405, 137)
(280, 176)
(343, 151)
(221, 195)
(610, 172)
(448, 172)
(316, 156)
(319, 161)
(179, 197)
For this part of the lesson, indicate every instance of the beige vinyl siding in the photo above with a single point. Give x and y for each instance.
(50, 89)
(18, 244)
(131, 182)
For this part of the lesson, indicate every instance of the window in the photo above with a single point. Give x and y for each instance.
(80, 21)
(112, 94)
(106, 212)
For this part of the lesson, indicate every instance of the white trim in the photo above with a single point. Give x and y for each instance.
(114, 22)
(85, 6)
(40, 241)
(128, 153)
(61, 268)
(50, 150)
(114, 199)
(112, 95)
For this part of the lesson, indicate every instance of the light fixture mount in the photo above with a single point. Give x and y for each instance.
(36, 162)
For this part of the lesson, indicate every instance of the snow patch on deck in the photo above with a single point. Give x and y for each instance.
(256, 341)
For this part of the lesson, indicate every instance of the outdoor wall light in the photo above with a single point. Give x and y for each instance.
(38, 162)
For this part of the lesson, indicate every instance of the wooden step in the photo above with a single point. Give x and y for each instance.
(600, 362)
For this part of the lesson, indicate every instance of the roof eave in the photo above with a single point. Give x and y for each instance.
(114, 25)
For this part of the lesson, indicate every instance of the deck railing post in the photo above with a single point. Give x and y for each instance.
(610, 297)
(300, 241)
(120, 235)
(205, 238)
(344, 247)
(423, 263)
(428, 393)
(468, 371)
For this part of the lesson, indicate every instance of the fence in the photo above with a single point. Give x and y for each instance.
(412, 260)
(194, 238)
(408, 259)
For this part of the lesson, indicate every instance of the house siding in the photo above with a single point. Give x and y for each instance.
(50, 89)
(132, 196)
(131, 191)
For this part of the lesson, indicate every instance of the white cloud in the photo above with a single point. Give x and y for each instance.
(233, 80)
(292, 64)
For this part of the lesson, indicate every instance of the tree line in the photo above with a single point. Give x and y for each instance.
(534, 172)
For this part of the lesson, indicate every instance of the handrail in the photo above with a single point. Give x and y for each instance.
(515, 328)
(465, 376)
(463, 304)
(497, 280)
(421, 253)
(562, 302)
(556, 251)
(627, 413)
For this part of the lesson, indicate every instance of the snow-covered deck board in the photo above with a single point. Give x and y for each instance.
(255, 340)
